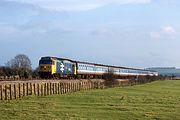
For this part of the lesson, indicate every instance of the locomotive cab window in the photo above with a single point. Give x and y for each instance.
(45, 62)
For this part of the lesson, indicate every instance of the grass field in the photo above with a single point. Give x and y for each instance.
(157, 100)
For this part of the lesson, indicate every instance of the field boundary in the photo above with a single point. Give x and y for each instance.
(10, 90)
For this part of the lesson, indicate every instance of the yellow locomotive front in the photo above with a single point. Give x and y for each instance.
(46, 67)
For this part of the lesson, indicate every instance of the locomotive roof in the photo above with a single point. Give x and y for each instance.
(96, 64)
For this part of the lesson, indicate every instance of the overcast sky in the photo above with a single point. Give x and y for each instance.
(131, 33)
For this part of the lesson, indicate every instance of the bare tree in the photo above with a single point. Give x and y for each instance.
(22, 64)
(21, 61)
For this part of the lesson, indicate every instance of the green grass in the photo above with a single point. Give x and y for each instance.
(159, 100)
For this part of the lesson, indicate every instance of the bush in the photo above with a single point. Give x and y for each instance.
(109, 78)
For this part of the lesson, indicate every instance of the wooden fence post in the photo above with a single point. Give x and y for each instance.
(10, 92)
(42, 89)
(27, 88)
(23, 89)
(38, 88)
(78, 86)
(71, 87)
(1, 90)
(92, 85)
(5, 91)
(51, 91)
(61, 87)
(50, 88)
(31, 89)
(54, 85)
(34, 88)
(87, 85)
(55, 88)
(47, 88)
(83, 85)
(15, 91)
(65, 87)
(19, 90)
(58, 88)
(75, 86)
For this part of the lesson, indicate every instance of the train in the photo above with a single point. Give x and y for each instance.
(54, 67)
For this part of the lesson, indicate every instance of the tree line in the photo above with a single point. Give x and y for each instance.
(18, 68)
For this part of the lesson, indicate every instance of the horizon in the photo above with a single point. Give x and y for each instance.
(134, 33)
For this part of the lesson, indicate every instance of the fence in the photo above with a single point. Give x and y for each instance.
(10, 91)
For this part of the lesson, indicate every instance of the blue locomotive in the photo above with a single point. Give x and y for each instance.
(54, 67)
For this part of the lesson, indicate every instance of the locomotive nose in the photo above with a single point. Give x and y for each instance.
(45, 68)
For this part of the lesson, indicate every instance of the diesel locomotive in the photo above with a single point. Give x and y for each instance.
(54, 67)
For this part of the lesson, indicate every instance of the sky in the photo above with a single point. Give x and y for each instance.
(130, 33)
